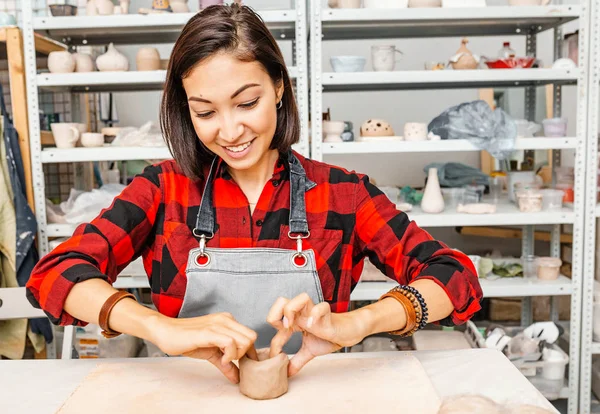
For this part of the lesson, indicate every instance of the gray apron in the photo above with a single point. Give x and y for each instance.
(246, 282)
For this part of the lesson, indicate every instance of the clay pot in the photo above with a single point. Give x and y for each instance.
(61, 62)
(92, 139)
(180, 7)
(464, 59)
(415, 131)
(147, 58)
(104, 7)
(266, 378)
(433, 200)
(112, 61)
(424, 3)
(83, 62)
(376, 128)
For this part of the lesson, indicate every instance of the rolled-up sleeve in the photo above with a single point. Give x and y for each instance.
(405, 252)
(99, 249)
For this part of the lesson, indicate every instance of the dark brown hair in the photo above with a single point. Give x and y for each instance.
(238, 30)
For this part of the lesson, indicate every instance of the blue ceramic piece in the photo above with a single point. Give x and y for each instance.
(7, 19)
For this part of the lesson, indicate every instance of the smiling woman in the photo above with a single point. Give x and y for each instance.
(247, 243)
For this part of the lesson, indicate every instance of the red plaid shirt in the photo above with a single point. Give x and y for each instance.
(349, 219)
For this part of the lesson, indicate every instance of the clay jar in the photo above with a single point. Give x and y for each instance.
(147, 58)
(266, 378)
(83, 62)
(415, 131)
(61, 62)
(112, 61)
(464, 59)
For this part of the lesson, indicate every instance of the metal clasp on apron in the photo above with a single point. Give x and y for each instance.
(299, 259)
(202, 258)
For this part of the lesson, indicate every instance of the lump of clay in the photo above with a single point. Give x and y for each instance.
(476, 208)
(266, 378)
(376, 128)
(471, 404)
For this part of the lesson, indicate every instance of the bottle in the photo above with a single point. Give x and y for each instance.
(506, 52)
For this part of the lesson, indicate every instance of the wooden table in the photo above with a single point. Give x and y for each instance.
(41, 386)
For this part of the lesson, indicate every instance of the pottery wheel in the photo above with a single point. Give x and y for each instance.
(184, 385)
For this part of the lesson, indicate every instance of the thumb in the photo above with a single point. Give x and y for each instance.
(229, 369)
(299, 360)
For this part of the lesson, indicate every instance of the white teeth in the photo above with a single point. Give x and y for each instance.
(239, 148)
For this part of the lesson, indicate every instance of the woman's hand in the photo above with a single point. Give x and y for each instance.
(218, 338)
(323, 332)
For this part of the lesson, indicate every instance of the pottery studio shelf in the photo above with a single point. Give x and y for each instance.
(142, 29)
(107, 153)
(436, 22)
(445, 79)
(109, 81)
(505, 287)
(383, 146)
(597, 212)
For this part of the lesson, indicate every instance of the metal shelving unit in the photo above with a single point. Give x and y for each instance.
(592, 212)
(335, 24)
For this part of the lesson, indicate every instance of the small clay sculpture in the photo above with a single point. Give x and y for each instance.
(266, 378)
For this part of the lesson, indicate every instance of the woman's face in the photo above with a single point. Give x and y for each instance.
(233, 108)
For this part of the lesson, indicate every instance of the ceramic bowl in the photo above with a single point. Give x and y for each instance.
(348, 63)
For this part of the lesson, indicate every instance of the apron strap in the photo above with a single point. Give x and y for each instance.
(205, 221)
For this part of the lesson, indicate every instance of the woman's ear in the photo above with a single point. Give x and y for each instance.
(279, 89)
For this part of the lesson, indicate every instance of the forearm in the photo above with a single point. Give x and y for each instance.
(86, 299)
(389, 315)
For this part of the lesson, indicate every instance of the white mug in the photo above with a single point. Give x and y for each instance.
(415, 131)
(384, 58)
(92, 139)
(65, 134)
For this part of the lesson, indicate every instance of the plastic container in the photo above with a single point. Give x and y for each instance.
(529, 201)
(548, 268)
(569, 194)
(530, 266)
(506, 51)
(555, 364)
(555, 127)
(473, 193)
(552, 199)
(453, 196)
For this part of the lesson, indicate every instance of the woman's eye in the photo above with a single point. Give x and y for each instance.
(250, 104)
(204, 114)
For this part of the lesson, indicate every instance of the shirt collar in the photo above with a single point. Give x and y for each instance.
(281, 166)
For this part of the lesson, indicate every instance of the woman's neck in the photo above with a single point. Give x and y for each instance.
(253, 180)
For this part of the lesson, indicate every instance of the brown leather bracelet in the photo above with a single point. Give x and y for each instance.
(411, 317)
(107, 308)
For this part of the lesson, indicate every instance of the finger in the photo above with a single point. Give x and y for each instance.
(229, 369)
(275, 314)
(317, 313)
(242, 342)
(238, 327)
(299, 360)
(279, 340)
(214, 338)
(301, 303)
(251, 352)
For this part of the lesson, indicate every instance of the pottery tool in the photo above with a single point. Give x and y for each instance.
(352, 384)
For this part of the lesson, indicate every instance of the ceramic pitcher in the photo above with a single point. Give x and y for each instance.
(384, 57)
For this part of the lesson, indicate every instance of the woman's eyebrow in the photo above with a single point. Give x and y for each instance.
(236, 93)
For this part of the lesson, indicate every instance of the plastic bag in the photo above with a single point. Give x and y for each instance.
(83, 206)
(148, 135)
(491, 130)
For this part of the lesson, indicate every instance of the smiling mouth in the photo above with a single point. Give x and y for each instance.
(239, 148)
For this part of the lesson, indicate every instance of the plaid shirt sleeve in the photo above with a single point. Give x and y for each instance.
(99, 249)
(405, 252)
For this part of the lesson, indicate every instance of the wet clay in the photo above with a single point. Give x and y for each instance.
(471, 404)
(266, 378)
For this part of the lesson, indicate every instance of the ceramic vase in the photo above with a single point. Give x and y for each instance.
(83, 62)
(61, 62)
(147, 58)
(104, 7)
(464, 59)
(112, 61)
(433, 200)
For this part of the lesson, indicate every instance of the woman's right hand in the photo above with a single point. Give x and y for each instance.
(217, 338)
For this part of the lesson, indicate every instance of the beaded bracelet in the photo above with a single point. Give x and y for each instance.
(418, 304)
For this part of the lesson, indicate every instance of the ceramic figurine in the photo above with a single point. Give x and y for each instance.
(61, 62)
(147, 58)
(112, 61)
(376, 128)
(433, 200)
(464, 59)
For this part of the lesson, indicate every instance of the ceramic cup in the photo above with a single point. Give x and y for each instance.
(92, 139)
(415, 131)
(383, 58)
(65, 134)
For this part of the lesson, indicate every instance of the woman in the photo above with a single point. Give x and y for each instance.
(246, 242)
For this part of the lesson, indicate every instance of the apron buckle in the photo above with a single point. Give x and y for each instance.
(299, 259)
(202, 258)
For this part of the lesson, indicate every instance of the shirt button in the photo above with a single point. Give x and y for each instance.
(259, 223)
(275, 183)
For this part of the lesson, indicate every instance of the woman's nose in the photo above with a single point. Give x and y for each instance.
(231, 129)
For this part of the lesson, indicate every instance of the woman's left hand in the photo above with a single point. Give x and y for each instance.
(323, 332)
